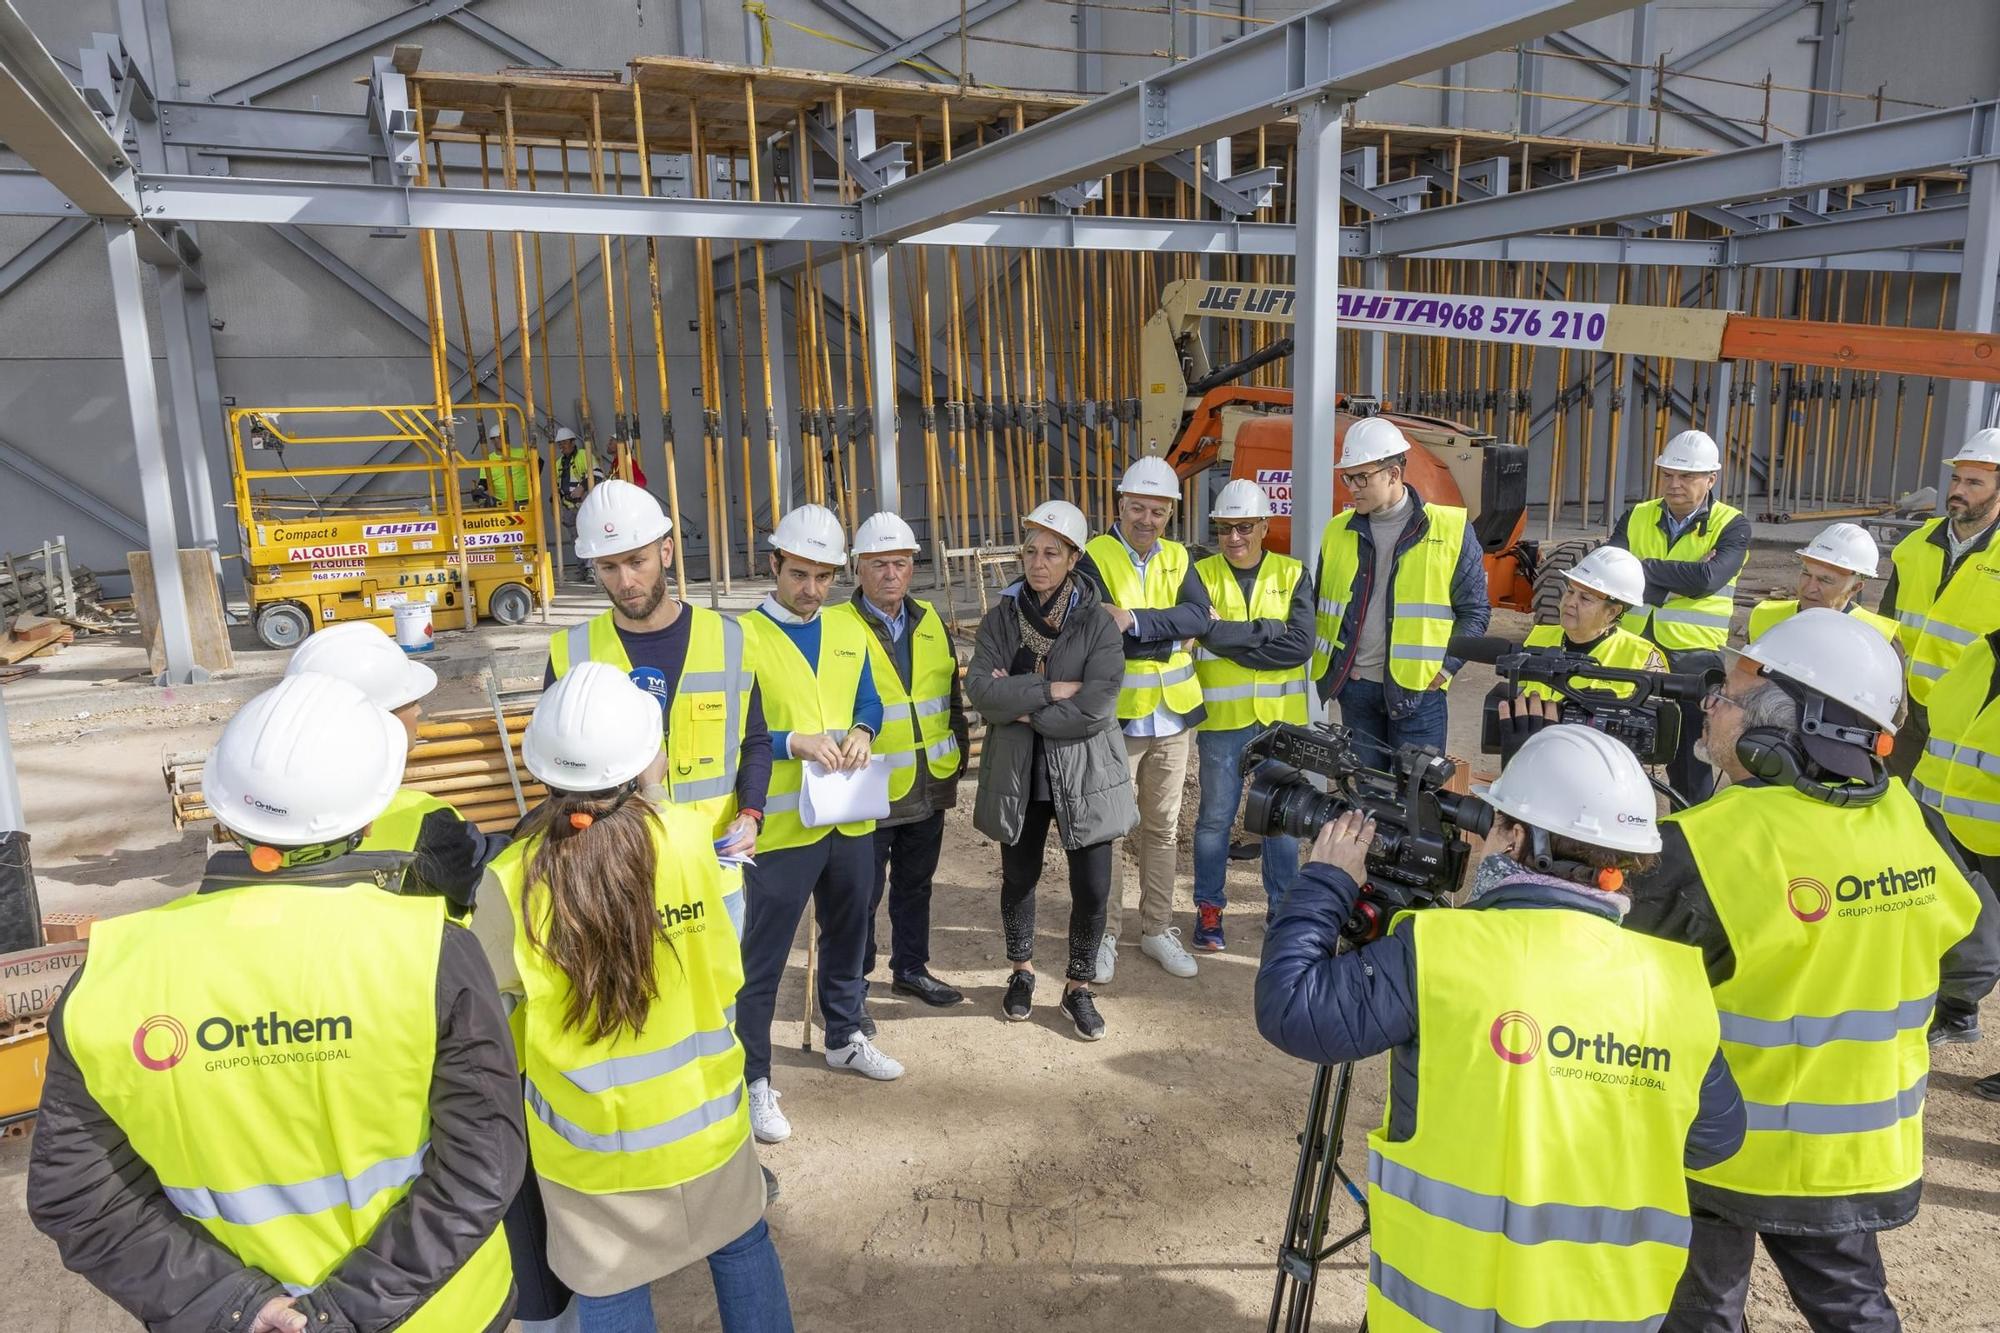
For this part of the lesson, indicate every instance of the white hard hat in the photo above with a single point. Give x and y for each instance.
(1153, 477)
(1845, 546)
(617, 517)
(1241, 499)
(1834, 655)
(1371, 440)
(882, 533)
(564, 433)
(1983, 447)
(1062, 518)
(592, 730)
(308, 761)
(1690, 451)
(811, 532)
(363, 655)
(1576, 782)
(1613, 571)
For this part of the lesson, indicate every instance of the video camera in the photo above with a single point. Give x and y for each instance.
(1638, 709)
(1417, 856)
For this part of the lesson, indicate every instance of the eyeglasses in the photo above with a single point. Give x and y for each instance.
(1356, 480)
(1236, 529)
(1719, 695)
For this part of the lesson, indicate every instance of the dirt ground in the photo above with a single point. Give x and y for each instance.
(1016, 1179)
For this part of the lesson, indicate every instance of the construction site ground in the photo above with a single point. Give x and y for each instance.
(1016, 1178)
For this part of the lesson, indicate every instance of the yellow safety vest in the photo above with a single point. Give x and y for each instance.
(506, 477)
(1936, 626)
(705, 722)
(804, 697)
(1837, 918)
(661, 1106)
(1147, 684)
(1238, 696)
(395, 829)
(917, 719)
(1423, 617)
(1560, 1066)
(1620, 648)
(1681, 624)
(1959, 770)
(285, 1108)
(1769, 613)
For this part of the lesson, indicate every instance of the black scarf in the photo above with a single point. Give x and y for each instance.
(1041, 622)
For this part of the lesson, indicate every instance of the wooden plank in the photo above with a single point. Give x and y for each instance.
(206, 623)
(1945, 353)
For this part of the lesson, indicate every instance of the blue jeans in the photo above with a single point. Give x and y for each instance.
(1221, 757)
(749, 1290)
(1364, 710)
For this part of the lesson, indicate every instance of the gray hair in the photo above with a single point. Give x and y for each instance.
(1768, 705)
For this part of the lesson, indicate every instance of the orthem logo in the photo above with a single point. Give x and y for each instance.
(256, 804)
(1808, 899)
(176, 1036)
(1516, 1037)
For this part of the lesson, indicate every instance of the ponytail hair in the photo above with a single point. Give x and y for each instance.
(597, 862)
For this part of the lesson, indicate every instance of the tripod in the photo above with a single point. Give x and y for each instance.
(1305, 1246)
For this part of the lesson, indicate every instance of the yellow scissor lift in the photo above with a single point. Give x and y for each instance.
(315, 559)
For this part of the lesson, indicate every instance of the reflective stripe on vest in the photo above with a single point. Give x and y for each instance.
(916, 720)
(704, 727)
(1484, 1220)
(1937, 626)
(1959, 770)
(1837, 918)
(1766, 614)
(656, 1106)
(1619, 649)
(1681, 623)
(802, 696)
(1421, 626)
(1239, 696)
(312, 1104)
(1148, 684)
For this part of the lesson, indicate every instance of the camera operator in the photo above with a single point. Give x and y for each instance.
(1541, 1032)
(1830, 920)
(1692, 547)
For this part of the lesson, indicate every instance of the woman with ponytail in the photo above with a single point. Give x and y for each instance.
(613, 932)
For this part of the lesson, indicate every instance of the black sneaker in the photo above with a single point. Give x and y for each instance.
(1988, 1087)
(1959, 1030)
(1081, 1006)
(1020, 998)
(867, 1023)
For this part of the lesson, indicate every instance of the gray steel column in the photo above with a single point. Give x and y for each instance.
(1719, 406)
(185, 399)
(882, 392)
(784, 423)
(128, 294)
(12, 817)
(1374, 370)
(1618, 481)
(689, 13)
(1641, 86)
(1315, 338)
(1969, 405)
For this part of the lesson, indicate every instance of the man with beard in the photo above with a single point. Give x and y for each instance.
(1945, 588)
(688, 657)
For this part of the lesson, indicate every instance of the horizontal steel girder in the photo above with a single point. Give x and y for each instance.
(1926, 142)
(1343, 49)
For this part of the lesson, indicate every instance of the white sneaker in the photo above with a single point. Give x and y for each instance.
(1107, 959)
(862, 1056)
(767, 1122)
(1165, 949)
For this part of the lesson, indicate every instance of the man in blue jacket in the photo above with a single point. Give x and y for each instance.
(1521, 1032)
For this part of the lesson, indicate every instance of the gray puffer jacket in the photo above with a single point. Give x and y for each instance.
(1081, 742)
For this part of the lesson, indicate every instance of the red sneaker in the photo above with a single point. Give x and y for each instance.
(1208, 930)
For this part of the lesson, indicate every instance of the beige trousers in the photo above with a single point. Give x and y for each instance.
(1159, 773)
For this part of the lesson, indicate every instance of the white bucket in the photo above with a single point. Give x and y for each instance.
(413, 627)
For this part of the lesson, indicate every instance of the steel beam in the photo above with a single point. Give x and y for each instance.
(1829, 42)
(37, 474)
(506, 43)
(128, 294)
(245, 130)
(1967, 405)
(882, 388)
(49, 125)
(693, 41)
(1839, 236)
(343, 48)
(903, 48)
(52, 241)
(1315, 348)
(1349, 46)
(873, 29)
(1631, 83)
(1089, 21)
(1932, 140)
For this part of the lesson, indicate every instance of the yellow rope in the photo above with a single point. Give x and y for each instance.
(764, 17)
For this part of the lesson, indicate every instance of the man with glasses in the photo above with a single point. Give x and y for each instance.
(1252, 666)
(1398, 577)
(1692, 547)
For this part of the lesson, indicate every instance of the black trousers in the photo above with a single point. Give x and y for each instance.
(906, 858)
(1836, 1281)
(1089, 892)
(1691, 777)
(834, 873)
